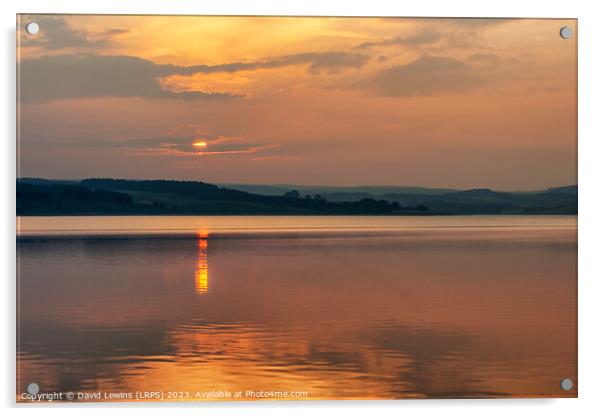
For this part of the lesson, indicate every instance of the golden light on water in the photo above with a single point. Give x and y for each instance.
(201, 283)
(371, 353)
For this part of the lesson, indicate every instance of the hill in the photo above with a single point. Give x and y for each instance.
(157, 197)
(103, 196)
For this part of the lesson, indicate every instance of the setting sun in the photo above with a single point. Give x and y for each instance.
(200, 144)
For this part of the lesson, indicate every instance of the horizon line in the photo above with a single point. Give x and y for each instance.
(288, 185)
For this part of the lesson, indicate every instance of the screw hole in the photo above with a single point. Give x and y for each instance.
(566, 384)
(33, 388)
(32, 28)
(566, 32)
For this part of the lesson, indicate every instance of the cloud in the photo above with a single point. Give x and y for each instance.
(215, 146)
(183, 146)
(52, 77)
(422, 37)
(85, 76)
(333, 62)
(247, 150)
(446, 33)
(80, 74)
(317, 62)
(56, 34)
(441, 34)
(429, 75)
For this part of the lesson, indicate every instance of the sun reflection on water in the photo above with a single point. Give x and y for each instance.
(201, 281)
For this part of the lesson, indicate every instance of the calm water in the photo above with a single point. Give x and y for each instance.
(324, 307)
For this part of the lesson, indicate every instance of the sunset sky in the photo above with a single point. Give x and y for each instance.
(460, 103)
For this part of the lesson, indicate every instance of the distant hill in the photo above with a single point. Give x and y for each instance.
(487, 201)
(157, 197)
(359, 190)
(571, 189)
(99, 196)
(40, 181)
(479, 193)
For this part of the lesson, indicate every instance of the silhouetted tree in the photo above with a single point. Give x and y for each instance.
(292, 194)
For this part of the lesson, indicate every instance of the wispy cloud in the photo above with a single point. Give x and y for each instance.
(185, 146)
(317, 62)
(421, 37)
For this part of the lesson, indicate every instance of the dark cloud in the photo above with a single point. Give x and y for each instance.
(333, 62)
(86, 75)
(317, 62)
(425, 76)
(56, 34)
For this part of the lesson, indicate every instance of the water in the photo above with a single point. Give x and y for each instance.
(317, 307)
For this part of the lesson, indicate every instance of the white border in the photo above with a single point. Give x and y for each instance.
(590, 204)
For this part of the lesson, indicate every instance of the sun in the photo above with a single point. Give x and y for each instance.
(200, 144)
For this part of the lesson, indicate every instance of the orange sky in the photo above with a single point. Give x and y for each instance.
(315, 101)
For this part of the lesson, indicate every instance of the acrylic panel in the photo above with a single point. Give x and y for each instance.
(228, 208)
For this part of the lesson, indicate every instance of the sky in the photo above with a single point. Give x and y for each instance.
(454, 103)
